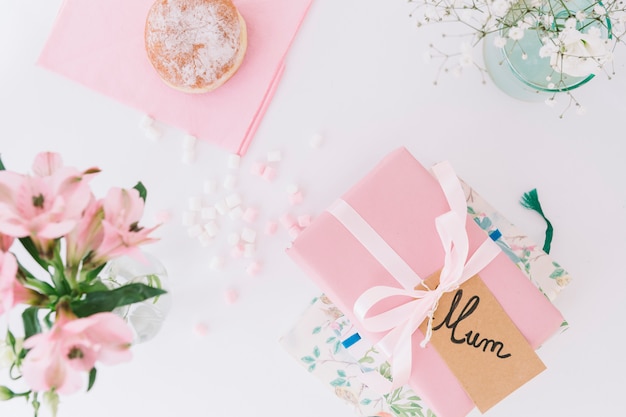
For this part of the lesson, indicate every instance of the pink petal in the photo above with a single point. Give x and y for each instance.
(47, 163)
(55, 230)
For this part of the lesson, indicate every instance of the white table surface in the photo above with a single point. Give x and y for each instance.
(356, 74)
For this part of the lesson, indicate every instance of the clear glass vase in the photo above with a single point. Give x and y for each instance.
(145, 318)
(518, 70)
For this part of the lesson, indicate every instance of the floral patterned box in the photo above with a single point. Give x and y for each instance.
(317, 339)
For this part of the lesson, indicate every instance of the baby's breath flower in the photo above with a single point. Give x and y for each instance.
(516, 33)
(499, 42)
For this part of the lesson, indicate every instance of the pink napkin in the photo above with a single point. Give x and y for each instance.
(100, 44)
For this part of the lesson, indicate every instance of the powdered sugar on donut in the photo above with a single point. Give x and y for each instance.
(192, 43)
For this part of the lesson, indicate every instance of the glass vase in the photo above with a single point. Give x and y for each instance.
(517, 69)
(145, 318)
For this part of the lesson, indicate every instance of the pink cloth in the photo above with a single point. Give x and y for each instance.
(400, 200)
(100, 44)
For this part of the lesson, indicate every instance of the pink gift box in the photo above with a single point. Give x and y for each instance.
(400, 200)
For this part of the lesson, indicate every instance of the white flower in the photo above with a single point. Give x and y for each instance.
(500, 7)
(579, 54)
(599, 10)
(466, 59)
(548, 20)
(581, 15)
(570, 23)
(516, 33)
(499, 42)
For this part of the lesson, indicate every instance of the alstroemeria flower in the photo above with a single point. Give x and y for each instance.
(578, 54)
(60, 358)
(87, 235)
(11, 291)
(122, 234)
(44, 206)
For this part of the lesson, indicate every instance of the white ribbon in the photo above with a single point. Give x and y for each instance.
(403, 320)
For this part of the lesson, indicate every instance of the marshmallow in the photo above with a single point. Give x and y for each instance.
(205, 239)
(248, 235)
(211, 228)
(234, 161)
(233, 200)
(217, 262)
(208, 213)
(254, 268)
(250, 215)
(189, 142)
(221, 207)
(304, 220)
(209, 186)
(271, 227)
(236, 252)
(316, 141)
(231, 295)
(152, 132)
(269, 173)
(195, 203)
(146, 121)
(287, 220)
(230, 182)
(249, 250)
(236, 213)
(292, 189)
(274, 156)
(233, 239)
(194, 231)
(190, 218)
(257, 168)
(296, 198)
(294, 231)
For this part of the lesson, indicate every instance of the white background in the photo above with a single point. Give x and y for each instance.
(356, 74)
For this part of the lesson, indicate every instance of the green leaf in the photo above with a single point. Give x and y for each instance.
(312, 368)
(2, 168)
(366, 359)
(338, 382)
(31, 322)
(32, 251)
(330, 339)
(337, 347)
(101, 301)
(143, 193)
(307, 359)
(317, 330)
(86, 287)
(557, 273)
(430, 414)
(341, 373)
(94, 272)
(92, 378)
(316, 352)
(365, 401)
(10, 340)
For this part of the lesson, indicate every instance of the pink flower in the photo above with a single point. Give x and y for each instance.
(8, 283)
(60, 358)
(6, 242)
(87, 235)
(44, 206)
(122, 234)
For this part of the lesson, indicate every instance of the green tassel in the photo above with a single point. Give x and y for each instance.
(530, 200)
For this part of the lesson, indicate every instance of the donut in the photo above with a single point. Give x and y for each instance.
(195, 46)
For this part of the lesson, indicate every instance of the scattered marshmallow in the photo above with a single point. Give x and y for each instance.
(254, 268)
(269, 173)
(200, 329)
(274, 156)
(152, 132)
(231, 296)
(294, 231)
(194, 230)
(287, 220)
(316, 141)
(221, 207)
(189, 157)
(249, 250)
(236, 213)
(230, 182)
(234, 160)
(195, 203)
(250, 215)
(237, 251)
(211, 228)
(209, 186)
(258, 168)
(271, 227)
(216, 263)
(296, 198)
(163, 216)
(208, 213)
(234, 239)
(146, 121)
(205, 239)
(190, 218)
(248, 235)
(189, 142)
(292, 189)
(304, 220)
(233, 200)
